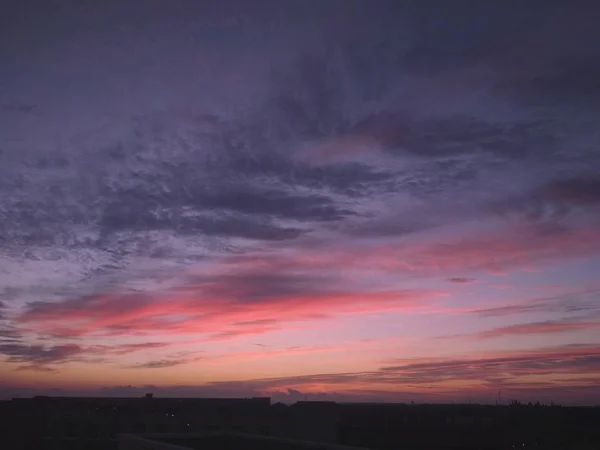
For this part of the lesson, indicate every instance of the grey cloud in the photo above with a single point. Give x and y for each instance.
(9, 333)
(577, 191)
(39, 354)
(572, 302)
(552, 199)
(456, 135)
(159, 364)
(137, 218)
(246, 227)
(461, 280)
(269, 284)
(350, 179)
(276, 203)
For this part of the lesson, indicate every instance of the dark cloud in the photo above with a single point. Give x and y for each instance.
(268, 285)
(160, 176)
(455, 135)
(461, 280)
(45, 358)
(251, 152)
(273, 203)
(39, 355)
(573, 191)
(160, 364)
(9, 333)
(246, 227)
(224, 224)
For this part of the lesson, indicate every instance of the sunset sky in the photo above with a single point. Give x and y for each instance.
(348, 200)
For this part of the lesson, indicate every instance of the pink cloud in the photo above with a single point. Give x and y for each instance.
(521, 246)
(253, 295)
(220, 306)
(512, 248)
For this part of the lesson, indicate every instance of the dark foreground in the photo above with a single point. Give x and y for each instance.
(55, 423)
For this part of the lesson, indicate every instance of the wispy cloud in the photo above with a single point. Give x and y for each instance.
(239, 301)
(460, 280)
(38, 356)
(160, 364)
(546, 327)
(573, 301)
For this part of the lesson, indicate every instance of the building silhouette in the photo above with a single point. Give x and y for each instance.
(64, 423)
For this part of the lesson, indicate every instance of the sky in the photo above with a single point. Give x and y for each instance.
(346, 200)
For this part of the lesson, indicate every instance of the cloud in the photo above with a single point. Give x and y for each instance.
(549, 326)
(498, 370)
(246, 200)
(461, 280)
(573, 191)
(41, 369)
(239, 298)
(39, 355)
(494, 246)
(124, 349)
(220, 317)
(9, 333)
(569, 374)
(514, 247)
(445, 379)
(578, 300)
(160, 364)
